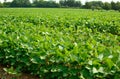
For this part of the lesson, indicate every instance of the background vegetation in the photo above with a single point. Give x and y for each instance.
(63, 3)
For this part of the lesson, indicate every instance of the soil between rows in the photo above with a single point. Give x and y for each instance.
(4, 75)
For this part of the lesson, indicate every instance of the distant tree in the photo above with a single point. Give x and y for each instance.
(63, 3)
(88, 5)
(1, 5)
(51, 4)
(113, 5)
(100, 5)
(77, 4)
(118, 6)
(38, 3)
(20, 3)
(70, 3)
(106, 6)
(93, 4)
(42, 3)
(7, 4)
(93, 8)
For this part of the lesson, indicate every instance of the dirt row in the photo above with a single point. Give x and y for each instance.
(4, 75)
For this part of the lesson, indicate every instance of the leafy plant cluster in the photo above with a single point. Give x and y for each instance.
(67, 47)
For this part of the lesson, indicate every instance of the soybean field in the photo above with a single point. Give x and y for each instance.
(60, 43)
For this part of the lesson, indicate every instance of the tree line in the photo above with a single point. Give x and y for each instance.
(100, 5)
(62, 3)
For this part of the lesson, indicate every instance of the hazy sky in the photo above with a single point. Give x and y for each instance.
(83, 1)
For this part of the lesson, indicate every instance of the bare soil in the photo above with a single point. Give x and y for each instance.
(4, 75)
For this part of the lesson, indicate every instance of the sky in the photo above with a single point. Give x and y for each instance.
(83, 1)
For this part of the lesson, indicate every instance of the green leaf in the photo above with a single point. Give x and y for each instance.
(100, 57)
(94, 70)
(109, 62)
(11, 70)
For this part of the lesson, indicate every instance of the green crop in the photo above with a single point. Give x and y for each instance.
(61, 43)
